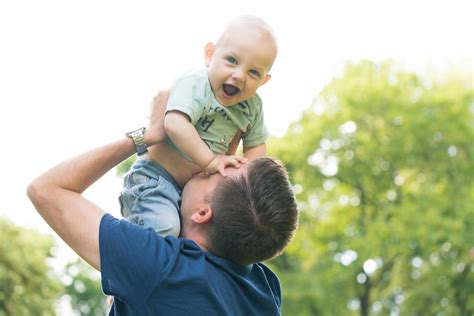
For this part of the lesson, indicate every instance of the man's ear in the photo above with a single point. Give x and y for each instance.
(267, 77)
(202, 216)
(209, 52)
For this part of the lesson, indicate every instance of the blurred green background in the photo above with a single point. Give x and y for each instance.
(382, 166)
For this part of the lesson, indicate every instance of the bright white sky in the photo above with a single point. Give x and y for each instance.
(78, 74)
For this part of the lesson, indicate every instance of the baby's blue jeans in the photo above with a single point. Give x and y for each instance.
(150, 197)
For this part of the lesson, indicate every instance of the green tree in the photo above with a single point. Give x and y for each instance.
(382, 167)
(84, 289)
(27, 285)
(125, 166)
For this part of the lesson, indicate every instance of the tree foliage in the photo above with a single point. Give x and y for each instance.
(125, 165)
(382, 167)
(84, 289)
(27, 285)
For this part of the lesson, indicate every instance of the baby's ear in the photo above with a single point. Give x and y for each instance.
(267, 77)
(209, 52)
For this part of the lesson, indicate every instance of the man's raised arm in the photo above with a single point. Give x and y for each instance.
(57, 193)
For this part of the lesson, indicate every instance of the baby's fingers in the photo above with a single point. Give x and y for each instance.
(222, 171)
(241, 159)
(236, 161)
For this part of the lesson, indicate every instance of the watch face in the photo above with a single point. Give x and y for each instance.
(138, 140)
(137, 132)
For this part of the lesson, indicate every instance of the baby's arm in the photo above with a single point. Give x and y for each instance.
(256, 151)
(234, 144)
(249, 152)
(184, 135)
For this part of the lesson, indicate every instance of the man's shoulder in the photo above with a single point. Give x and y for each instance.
(118, 230)
(183, 273)
(124, 245)
(273, 282)
(269, 273)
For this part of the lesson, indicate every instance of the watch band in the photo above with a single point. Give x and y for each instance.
(138, 140)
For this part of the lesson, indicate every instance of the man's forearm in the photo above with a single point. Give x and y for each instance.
(78, 173)
(56, 194)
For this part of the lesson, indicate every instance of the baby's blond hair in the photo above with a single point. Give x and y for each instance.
(248, 21)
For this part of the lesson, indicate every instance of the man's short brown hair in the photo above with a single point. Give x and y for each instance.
(254, 215)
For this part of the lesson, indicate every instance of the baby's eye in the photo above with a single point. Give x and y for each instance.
(255, 73)
(231, 60)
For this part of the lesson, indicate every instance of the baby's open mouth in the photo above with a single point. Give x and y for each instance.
(230, 90)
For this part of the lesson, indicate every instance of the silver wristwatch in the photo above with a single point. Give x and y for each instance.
(138, 140)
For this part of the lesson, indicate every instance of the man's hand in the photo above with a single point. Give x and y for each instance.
(57, 193)
(220, 162)
(155, 132)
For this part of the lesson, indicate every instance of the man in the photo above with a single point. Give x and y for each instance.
(229, 225)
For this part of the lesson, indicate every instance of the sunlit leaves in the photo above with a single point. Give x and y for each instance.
(27, 286)
(382, 167)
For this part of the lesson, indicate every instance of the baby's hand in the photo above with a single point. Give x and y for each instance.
(220, 162)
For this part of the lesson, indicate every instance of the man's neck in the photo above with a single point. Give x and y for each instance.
(196, 236)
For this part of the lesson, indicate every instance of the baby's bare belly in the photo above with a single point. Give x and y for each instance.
(179, 168)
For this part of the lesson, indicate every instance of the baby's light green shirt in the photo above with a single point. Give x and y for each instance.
(191, 94)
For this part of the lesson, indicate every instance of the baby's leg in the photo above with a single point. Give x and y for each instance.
(151, 202)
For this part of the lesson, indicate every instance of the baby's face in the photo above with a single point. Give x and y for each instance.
(239, 65)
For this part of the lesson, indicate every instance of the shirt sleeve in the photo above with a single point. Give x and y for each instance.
(257, 133)
(133, 260)
(185, 97)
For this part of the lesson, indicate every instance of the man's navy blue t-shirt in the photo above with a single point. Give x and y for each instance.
(151, 275)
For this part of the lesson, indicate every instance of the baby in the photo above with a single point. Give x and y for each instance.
(208, 112)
